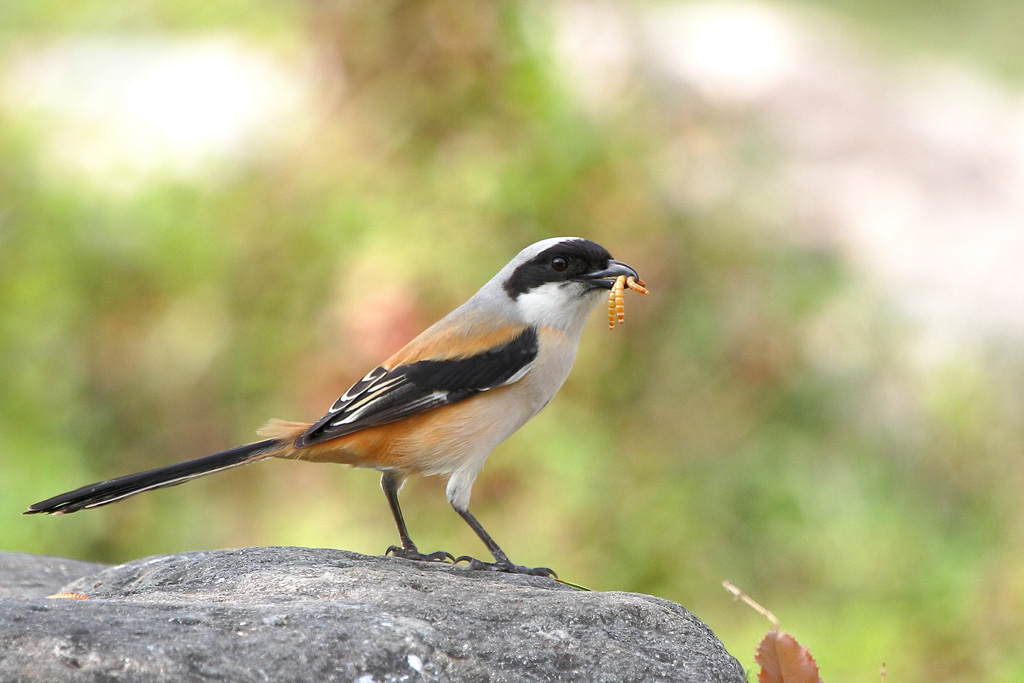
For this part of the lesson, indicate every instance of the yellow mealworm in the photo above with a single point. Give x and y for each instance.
(636, 285)
(67, 596)
(620, 303)
(617, 300)
(616, 306)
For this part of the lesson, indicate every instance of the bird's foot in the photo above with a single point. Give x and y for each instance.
(413, 554)
(505, 566)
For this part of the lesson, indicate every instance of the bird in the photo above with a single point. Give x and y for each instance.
(442, 403)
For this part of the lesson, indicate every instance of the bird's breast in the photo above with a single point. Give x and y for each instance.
(463, 434)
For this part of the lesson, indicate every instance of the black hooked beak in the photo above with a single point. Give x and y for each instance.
(604, 279)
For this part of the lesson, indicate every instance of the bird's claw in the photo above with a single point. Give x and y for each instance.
(505, 566)
(414, 554)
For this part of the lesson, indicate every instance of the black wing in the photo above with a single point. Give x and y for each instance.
(384, 395)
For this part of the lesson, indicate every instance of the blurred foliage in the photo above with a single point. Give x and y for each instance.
(759, 418)
(980, 31)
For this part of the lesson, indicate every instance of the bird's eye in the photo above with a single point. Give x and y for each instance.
(559, 263)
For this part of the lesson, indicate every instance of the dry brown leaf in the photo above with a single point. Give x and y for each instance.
(783, 660)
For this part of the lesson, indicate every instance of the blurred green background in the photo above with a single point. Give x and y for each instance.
(313, 183)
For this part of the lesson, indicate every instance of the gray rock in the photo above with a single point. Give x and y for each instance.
(39, 575)
(298, 614)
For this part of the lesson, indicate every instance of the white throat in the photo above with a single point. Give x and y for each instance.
(564, 305)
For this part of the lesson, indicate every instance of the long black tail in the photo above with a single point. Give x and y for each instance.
(113, 490)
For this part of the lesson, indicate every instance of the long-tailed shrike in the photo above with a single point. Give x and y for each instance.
(442, 403)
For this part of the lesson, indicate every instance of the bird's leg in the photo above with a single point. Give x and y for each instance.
(501, 562)
(391, 482)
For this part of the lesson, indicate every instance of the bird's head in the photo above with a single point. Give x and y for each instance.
(557, 282)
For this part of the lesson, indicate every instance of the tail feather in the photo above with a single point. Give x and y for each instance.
(113, 490)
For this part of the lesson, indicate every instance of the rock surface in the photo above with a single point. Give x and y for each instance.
(298, 614)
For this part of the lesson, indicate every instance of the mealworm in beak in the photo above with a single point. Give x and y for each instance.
(617, 300)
